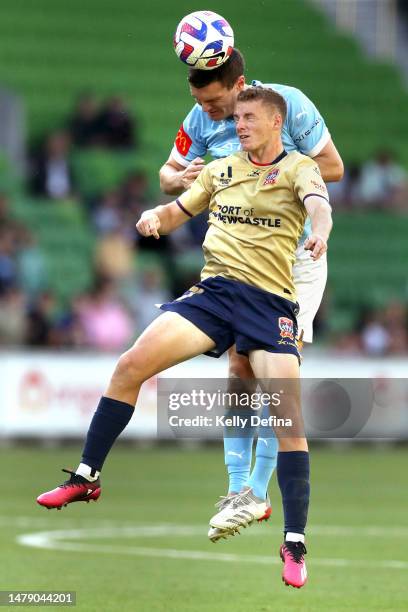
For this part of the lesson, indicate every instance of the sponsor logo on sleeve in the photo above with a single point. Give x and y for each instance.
(183, 141)
(307, 132)
(319, 187)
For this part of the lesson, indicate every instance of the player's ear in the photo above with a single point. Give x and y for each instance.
(277, 121)
(240, 83)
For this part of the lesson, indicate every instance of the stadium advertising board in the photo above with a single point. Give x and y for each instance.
(46, 394)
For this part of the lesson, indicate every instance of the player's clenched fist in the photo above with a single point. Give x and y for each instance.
(190, 174)
(149, 224)
(317, 245)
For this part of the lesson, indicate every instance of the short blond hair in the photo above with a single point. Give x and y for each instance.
(270, 97)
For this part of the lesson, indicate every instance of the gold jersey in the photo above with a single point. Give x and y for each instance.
(256, 217)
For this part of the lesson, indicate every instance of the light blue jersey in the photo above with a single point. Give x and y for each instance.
(304, 130)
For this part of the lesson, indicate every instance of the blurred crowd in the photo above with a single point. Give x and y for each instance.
(381, 183)
(108, 125)
(376, 332)
(92, 125)
(131, 274)
(119, 304)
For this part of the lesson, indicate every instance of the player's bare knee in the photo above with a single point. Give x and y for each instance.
(131, 367)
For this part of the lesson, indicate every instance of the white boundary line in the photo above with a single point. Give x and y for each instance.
(56, 540)
(368, 531)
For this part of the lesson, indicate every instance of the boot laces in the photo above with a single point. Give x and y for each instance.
(74, 480)
(296, 550)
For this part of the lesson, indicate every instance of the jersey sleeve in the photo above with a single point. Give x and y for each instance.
(305, 124)
(196, 199)
(309, 182)
(189, 142)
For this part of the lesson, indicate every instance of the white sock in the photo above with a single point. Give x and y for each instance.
(87, 472)
(294, 537)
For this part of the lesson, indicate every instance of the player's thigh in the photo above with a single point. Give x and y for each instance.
(278, 375)
(310, 281)
(238, 365)
(267, 365)
(168, 340)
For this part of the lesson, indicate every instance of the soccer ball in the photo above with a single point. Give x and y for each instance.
(203, 40)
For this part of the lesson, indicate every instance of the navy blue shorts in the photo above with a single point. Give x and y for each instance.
(231, 312)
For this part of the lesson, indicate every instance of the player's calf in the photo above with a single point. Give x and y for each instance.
(293, 479)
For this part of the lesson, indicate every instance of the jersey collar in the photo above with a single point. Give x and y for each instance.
(275, 161)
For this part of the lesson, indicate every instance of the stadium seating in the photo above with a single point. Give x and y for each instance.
(129, 51)
(79, 46)
(367, 264)
(99, 170)
(65, 240)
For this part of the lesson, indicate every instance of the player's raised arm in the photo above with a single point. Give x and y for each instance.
(161, 220)
(312, 193)
(185, 161)
(319, 211)
(167, 218)
(330, 163)
(176, 178)
(311, 135)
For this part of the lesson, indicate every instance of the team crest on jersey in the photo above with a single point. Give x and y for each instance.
(271, 177)
(286, 328)
(183, 141)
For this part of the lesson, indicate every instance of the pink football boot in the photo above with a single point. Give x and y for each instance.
(294, 569)
(77, 488)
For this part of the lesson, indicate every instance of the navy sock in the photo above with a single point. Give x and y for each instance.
(293, 479)
(108, 422)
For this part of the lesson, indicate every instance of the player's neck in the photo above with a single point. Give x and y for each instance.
(266, 154)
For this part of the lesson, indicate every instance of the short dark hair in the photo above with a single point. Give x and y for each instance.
(227, 74)
(267, 96)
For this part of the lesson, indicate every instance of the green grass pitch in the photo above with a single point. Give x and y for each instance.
(143, 546)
